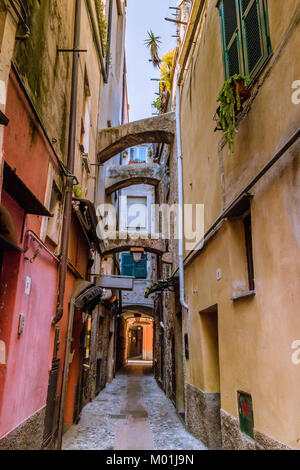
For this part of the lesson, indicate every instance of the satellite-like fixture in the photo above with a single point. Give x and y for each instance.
(89, 299)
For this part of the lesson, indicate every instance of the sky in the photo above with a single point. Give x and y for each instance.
(143, 15)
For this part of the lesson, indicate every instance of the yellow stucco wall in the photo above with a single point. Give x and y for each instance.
(255, 334)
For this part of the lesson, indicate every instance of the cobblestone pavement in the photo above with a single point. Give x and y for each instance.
(131, 413)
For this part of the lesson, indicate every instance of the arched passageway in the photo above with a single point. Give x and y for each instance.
(157, 129)
(120, 177)
(122, 243)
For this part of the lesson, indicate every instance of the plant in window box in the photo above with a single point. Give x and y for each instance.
(232, 96)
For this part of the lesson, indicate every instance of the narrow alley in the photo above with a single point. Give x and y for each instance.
(149, 225)
(131, 413)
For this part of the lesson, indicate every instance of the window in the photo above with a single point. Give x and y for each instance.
(130, 268)
(186, 347)
(246, 39)
(56, 208)
(249, 250)
(138, 155)
(241, 230)
(137, 213)
(86, 117)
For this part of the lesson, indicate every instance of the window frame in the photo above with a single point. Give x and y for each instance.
(241, 32)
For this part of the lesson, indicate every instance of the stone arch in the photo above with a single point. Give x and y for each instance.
(117, 245)
(130, 310)
(157, 129)
(119, 177)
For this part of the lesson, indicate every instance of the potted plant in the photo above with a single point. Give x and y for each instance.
(232, 96)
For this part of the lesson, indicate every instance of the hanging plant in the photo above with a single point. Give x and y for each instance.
(234, 92)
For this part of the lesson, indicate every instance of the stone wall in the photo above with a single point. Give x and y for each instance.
(27, 436)
(203, 416)
(46, 73)
(234, 439)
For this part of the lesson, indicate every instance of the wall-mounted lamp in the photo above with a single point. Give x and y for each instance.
(137, 254)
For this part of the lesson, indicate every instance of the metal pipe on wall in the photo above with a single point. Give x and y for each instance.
(70, 167)
(180, 200)
(67, 222)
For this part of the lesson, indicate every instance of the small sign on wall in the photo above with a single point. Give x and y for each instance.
(246, 413)
(21, 324)
(27, 285)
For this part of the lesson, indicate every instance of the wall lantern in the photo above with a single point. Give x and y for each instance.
(137, 254)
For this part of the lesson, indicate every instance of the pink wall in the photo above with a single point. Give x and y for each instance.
(24, 379)
(26, 384)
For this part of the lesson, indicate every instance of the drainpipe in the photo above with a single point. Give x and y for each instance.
(70, 169)
(180, 200)
(67, 223)
(65, 376)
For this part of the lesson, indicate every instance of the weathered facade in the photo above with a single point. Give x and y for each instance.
(55, 354)
(220, 319)
(240, 389)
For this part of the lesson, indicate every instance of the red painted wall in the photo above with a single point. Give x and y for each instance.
(24, 378)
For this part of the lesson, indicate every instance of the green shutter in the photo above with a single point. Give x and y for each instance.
(141, 268)
(127, 265)
(245, 35)
(130, 268)
(231, 31)
(255, 31)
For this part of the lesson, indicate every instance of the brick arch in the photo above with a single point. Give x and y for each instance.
(157, 129)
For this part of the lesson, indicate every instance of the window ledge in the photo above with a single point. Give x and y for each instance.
(243, 295)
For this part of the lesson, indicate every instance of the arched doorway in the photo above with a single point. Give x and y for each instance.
(135, 343)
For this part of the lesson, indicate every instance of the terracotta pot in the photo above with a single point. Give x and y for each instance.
(243, 91)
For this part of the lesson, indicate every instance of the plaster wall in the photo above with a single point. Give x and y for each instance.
(255, 334)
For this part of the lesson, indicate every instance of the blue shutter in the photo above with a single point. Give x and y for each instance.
(141, 268)
(127, 265)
